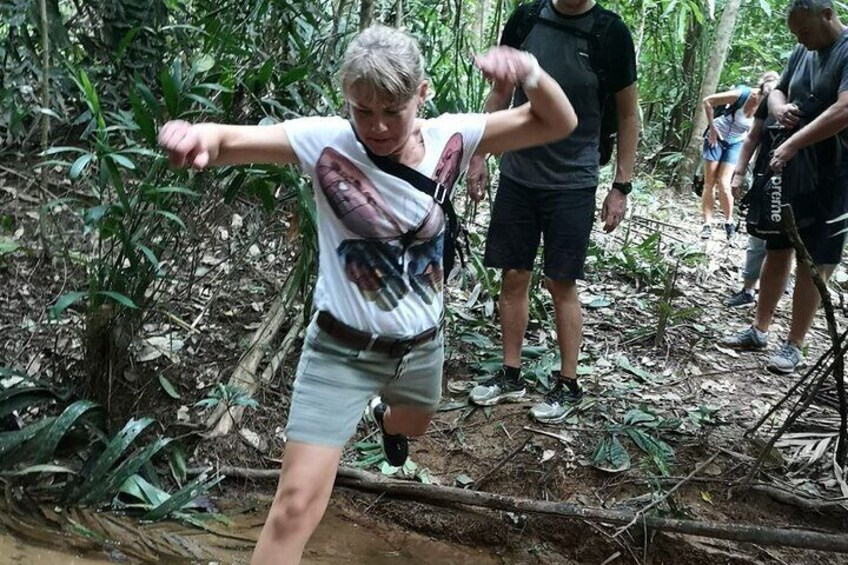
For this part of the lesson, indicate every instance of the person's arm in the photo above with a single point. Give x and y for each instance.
(788, 115)
(615, 204)
(829, 123)
(201, 145)
(717, 99)
(477, 178)
(547, 116)
(749, 146)
(628, 132)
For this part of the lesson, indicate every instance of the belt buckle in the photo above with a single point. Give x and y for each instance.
(371, 342)
(440, 193)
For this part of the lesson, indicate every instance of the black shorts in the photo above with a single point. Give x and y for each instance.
(522, 214)
(825, 248)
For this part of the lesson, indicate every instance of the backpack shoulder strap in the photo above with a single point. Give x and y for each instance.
(441, 193)
(598, 48)
(518, 27)
(740, 101)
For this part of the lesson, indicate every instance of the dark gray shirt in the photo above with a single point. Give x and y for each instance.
(571, 163)
(813, 80)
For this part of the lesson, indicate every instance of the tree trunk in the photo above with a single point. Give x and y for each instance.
(723, 34)
(672, 138)
(366, 14)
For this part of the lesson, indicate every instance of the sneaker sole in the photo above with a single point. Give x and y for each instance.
(743, 305)
(517, 396)
(746, 347)
(779, 371)
(565, 415)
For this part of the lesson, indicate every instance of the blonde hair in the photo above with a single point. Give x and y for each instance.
(386, 60)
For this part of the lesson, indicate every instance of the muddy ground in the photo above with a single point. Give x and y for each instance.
(668, 379)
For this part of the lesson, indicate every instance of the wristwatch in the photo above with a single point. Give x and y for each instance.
(623, 187)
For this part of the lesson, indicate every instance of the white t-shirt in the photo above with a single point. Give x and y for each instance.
(380, 239)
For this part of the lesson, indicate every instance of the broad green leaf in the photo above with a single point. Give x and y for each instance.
(636, 416)
(79, 165)
(8, 245)
(63, 149)
(119, 298)
(105, 489)
(171, 190)
(168, 387)
(625, 364)
(21, 397)
(203, 63)
(178, 463)
(172, 217)
(40, 469)
(138, 487)
(121, 161)
(66, 300)
(203, 101)
(45, 444)
(198, 487)
(113, 452)
(10, 441)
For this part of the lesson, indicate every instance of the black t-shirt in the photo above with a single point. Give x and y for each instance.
(621, 64)
(571, 163)
(813, 81)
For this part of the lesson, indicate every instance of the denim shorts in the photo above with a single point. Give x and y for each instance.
(334, 384)
(523, 215)
(723, 152)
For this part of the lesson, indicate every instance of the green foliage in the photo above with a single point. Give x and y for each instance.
(94, 469)
(642, 427)
(227, 395)
(643, 263)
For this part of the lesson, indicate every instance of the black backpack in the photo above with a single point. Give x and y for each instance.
(527, 16)
(796, 185)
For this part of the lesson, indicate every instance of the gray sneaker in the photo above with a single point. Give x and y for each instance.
(786, 359)
(706, 232)
(750, 338)
(496, 390)
(556, 405)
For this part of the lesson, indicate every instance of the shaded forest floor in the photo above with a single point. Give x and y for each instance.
(649, 363)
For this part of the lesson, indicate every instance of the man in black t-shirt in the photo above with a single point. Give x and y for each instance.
(549, 191)
(816, 79)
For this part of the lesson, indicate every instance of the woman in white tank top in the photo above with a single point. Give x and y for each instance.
(722, 144)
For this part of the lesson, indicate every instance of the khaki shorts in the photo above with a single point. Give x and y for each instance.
(334, 384)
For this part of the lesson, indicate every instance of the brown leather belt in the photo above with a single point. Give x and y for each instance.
(357, 339)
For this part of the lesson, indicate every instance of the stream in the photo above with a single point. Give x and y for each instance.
(337, 540)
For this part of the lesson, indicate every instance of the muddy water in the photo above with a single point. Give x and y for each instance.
(337, 541)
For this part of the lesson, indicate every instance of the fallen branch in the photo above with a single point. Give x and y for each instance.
(244, 376)
(432, 494)
(787, 223)
(283, 352)
(641, 513)
(785, 497)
